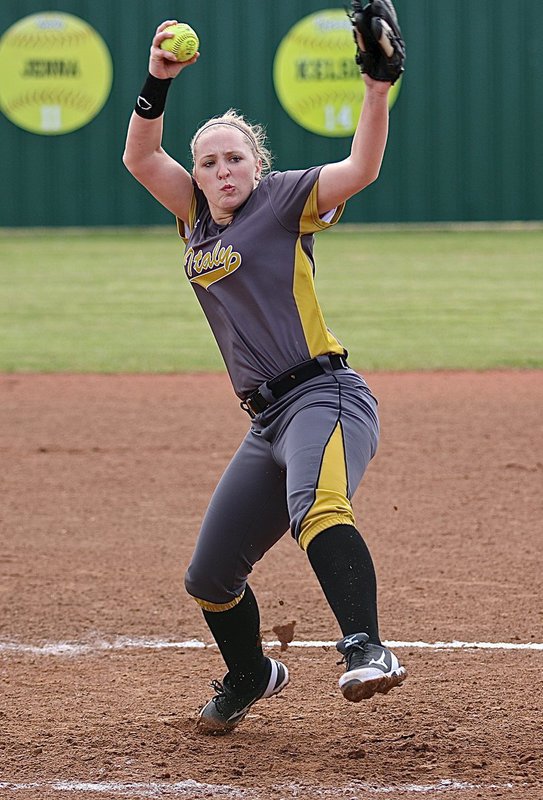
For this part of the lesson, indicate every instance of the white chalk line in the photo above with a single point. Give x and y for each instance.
(194, 789)
(65, 648)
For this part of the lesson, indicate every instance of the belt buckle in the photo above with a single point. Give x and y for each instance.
(254, 404)
(246, 407)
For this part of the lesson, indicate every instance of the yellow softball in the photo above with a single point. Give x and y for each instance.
(185, 42)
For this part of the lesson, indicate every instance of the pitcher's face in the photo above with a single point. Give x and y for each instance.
(226, 169)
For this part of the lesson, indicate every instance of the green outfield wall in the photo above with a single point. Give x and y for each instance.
(466, 141)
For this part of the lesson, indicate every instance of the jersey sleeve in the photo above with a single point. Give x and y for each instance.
(293, 198)
(196, 204)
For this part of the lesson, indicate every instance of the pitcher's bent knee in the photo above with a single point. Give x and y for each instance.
(209, 593)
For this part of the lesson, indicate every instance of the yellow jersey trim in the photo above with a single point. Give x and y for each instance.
(318, 338)
(192, 219)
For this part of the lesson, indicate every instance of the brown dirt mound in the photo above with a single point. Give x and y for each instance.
(103, 485)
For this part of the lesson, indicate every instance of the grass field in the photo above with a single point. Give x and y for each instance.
(118, 301)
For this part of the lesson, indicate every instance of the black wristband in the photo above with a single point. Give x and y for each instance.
(152, 99)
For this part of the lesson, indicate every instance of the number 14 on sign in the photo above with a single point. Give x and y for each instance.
(338, 119)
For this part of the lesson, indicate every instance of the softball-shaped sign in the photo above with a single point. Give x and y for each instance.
(55, 73)
(315, 75)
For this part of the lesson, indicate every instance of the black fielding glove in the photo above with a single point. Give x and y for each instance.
(383, 54)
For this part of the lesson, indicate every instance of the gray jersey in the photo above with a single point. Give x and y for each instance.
(254, 278)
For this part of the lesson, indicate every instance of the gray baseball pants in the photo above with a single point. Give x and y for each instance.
(298, 468)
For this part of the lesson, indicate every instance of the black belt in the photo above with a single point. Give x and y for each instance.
(256, 403)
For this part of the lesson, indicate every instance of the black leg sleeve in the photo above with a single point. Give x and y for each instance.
(344, 567)
(237, 633)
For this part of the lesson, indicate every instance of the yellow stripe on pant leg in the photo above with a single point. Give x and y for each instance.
(218, 606)
(331, 506)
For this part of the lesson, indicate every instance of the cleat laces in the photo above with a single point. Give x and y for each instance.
(354, 652)
(222, 693)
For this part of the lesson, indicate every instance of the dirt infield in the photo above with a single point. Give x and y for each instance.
(104, 480)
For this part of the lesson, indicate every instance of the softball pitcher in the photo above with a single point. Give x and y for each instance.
(248, 236)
